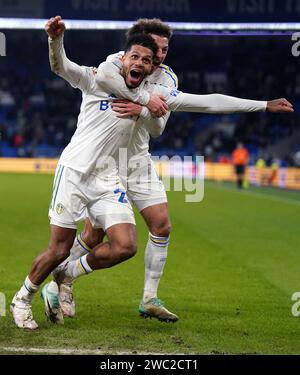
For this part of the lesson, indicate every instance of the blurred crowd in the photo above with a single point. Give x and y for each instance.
(38, 110)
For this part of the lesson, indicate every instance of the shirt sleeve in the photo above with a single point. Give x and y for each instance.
(114, 56)
(169, 78)
(109, 78)
(154, 125)
(213, 103)
(81, 77)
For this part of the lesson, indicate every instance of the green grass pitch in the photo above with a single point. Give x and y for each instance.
(233, 265)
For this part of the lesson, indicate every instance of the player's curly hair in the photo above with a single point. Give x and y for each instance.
(144, 40)
(150, 26)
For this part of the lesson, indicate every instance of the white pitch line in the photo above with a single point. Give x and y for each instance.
(78, 351)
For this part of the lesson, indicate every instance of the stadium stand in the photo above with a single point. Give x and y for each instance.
(38, 110)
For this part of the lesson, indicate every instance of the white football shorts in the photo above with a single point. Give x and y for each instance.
(76, 196)
(143, 186)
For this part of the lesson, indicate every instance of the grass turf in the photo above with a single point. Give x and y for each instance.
(233, 265)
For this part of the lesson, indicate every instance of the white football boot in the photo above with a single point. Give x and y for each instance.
(22, 313)
(65, 286)
(66, 300)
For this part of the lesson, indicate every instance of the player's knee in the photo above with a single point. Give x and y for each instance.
(162, 230)
(125, 249)
(60, 250)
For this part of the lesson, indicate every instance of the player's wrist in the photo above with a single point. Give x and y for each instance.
(266, 106)
(55, 38)
(145, 98)
(145, 113)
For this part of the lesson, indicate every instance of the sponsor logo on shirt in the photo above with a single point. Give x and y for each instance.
(105, 104)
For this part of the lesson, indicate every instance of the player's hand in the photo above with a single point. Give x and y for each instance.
(279, 106)
(55, 27)
(157, 106)
(126, 108)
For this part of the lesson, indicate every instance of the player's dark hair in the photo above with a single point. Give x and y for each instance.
(143, 40)
(150, 26)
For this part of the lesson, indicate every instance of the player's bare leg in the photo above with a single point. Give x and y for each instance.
(83, 244)
(61, 240)
(157, 219)
(121, 245)
(158, 222)
(92, 236)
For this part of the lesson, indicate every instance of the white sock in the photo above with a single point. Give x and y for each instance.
(155, 259)
(78, 249)
(77, 268)
(28, 290)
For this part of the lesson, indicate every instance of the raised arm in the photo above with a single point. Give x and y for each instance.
(76, 75)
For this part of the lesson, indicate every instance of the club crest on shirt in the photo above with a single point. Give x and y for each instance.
(60, 208)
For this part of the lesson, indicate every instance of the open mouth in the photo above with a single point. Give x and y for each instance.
(135, 76)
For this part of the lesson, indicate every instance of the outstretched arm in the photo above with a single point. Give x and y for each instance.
(77, 76)
(217, 103)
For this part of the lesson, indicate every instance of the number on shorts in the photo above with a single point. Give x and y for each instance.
(122, 197)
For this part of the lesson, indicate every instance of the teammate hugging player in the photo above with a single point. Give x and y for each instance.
(84, 188)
